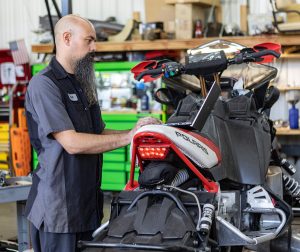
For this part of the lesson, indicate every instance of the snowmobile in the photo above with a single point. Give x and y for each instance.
(211, 178)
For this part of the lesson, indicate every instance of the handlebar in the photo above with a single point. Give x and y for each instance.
(208, 63)
(149, 72)
(246, 56)
(265, 53)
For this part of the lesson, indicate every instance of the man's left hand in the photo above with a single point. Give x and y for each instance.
(147, 120)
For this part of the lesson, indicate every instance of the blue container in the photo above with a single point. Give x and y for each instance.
(294, 117)
(145, 102)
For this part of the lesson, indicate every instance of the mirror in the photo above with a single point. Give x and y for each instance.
(162, 96)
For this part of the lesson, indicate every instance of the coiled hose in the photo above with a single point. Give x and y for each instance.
(181, 176)
(292, 186)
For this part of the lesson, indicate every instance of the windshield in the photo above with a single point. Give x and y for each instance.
(249, 76)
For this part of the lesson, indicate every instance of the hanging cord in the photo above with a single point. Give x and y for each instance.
(196, 198)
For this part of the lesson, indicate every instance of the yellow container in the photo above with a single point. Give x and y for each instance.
(3, 156)
(4, 127)
(4, 135)
(3, 166)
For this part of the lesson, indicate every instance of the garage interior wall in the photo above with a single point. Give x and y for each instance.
(19, 18)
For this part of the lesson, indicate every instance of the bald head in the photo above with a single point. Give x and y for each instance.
(74, 38)
(72, 24)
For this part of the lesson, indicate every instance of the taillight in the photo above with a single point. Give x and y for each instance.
(153, 152)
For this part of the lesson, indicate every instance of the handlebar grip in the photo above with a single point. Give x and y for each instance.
(265, 53)
(245, 57)
(149, 72)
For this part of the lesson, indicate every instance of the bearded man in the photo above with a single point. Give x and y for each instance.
(67, 131)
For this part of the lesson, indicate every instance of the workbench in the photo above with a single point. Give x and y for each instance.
(18, 194)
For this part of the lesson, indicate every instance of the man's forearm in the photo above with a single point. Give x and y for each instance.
(112, 131)
(82, 143)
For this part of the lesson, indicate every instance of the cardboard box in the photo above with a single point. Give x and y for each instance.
(179, 16)
(243, 18)
(159, 11)
(281, 4)
(185, 17)
(293, 17)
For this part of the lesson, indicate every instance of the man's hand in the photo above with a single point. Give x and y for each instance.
(147, 120)
(142, 122)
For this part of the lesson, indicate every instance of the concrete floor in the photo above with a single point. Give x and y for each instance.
(8, 219)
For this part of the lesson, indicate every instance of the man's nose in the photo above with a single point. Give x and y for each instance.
(93, 47)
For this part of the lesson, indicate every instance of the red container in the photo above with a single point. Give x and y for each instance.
(267, 46)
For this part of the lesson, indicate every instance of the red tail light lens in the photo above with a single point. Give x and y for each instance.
(153, 152)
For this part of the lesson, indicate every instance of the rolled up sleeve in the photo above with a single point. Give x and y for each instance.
(44, 101)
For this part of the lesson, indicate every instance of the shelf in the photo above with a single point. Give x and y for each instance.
(145, 45)
(286, 131)
(290, 56)
(205, 3)
(287, 88)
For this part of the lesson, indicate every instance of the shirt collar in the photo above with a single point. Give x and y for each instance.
(58, 70)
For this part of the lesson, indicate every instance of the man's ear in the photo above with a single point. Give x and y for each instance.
(67, 38)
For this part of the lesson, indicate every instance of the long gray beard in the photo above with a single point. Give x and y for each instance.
(85, 74)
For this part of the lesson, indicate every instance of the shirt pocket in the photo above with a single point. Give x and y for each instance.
(78, 115)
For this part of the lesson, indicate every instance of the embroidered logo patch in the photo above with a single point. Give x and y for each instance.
(73, 97)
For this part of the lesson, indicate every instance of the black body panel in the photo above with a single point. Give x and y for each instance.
(241, 133)
(153, 217)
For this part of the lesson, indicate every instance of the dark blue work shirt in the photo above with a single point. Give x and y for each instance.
(65, 195)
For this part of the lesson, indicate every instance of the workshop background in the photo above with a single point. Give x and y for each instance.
(168, 28)
(251, 17)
